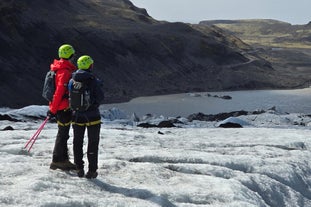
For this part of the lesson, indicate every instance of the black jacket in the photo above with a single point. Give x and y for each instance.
(97, 95)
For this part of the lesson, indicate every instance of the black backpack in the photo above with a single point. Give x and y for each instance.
(79, 96)
(49, 86)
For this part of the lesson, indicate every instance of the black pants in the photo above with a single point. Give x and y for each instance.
(60, 152)
(92, 148)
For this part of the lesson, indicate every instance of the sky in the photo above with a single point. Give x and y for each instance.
(194, 11)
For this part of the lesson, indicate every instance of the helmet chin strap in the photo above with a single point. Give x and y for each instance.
(72, 57)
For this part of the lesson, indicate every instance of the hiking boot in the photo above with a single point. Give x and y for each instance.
(64, 165)
(70, 165)
(90, 175)
(59, 165)
(80, 173)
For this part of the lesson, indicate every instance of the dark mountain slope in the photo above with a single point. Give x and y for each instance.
(134, 54)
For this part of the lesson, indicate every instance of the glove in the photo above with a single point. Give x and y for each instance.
(50, 114)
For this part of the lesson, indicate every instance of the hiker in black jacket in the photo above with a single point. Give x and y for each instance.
(86, 115)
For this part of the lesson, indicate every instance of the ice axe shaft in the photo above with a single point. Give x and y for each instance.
(33, 139)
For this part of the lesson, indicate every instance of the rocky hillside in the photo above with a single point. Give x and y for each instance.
(134, 54)
(287, 47)
(267, 32)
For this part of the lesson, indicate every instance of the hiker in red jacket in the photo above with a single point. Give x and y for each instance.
(59, 107)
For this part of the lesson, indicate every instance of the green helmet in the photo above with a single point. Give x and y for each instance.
(65, 51)
(84, 62)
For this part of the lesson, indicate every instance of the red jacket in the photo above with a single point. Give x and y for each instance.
(63, 69)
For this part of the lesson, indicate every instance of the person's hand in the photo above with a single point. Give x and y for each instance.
(50, 114)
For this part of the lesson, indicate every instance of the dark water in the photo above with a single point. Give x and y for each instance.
(291, 101)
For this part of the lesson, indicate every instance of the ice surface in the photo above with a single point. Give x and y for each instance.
(266, 163)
